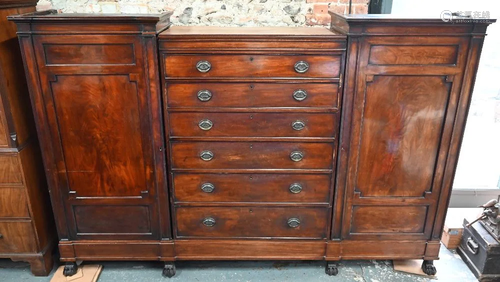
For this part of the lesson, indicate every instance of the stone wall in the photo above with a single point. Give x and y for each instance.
(219, 12)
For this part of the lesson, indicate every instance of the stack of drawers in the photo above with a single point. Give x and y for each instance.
(251, 122)
(27, 232)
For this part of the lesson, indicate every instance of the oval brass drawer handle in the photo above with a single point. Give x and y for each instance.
(207, 187)
(204, 95)
(298, 125)
(295, 188)
(296, 156)
(205, 124)
(293, 222)
(203, 66)
(301, 66)
(206, 156)
(209, 221)
(299, 95)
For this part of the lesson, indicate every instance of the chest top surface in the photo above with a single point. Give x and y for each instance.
(249, 32)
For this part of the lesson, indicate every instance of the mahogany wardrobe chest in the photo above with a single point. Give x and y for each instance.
(211, 143)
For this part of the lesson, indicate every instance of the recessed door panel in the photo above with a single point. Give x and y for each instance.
(388, 220)
(402, 124)
(100, 130)
(113, 220)
(398, 134)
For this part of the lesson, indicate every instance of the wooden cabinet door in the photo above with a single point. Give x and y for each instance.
(401, 122)
(99, 105)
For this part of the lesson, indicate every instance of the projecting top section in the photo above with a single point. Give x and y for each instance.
(446, 24)
(101, 23)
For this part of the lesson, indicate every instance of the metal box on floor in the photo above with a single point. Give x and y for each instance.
(481, 252)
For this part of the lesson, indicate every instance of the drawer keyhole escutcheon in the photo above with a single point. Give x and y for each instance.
(206, 156)
(298, 125)
(299, 95)
(203, 66)
(293, 222)
(295, 188)
(301, 66)
(207, 187)
(209, 221)
(204, 95)
(296, 156)
(205, 124)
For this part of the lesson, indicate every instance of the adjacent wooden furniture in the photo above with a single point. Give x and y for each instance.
(26, 226)
(279, 143)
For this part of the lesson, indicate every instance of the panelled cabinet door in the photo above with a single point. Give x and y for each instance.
(97, 102)
(402, 120)
(99, 123)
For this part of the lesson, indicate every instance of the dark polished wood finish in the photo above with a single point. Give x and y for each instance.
(94, 85)
(183, 95)
(279, 143)
(408, 84)
(252, 125)
(251, 66)
(251, 187)
(250, 155)
(265, 107)
(251, 222)
(27, 230)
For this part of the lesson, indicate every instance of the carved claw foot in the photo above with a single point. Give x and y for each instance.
(331, 269)
(428, 267)
(70, 269)
(169, 270)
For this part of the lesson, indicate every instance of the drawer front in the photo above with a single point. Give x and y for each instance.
(252, 124)
(17, 237)
(297, 188)
(249, 95)
(251, 222)
(13, 202)
(10, 170)
(252, 66)
(251, 155)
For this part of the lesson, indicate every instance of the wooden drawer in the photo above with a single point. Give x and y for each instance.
(241, 222)
(247, 95)
(251, 66)
(10, 170)
(297, 188)
(251, 155)
(13, 202)
(17, 237)
(253, 124)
